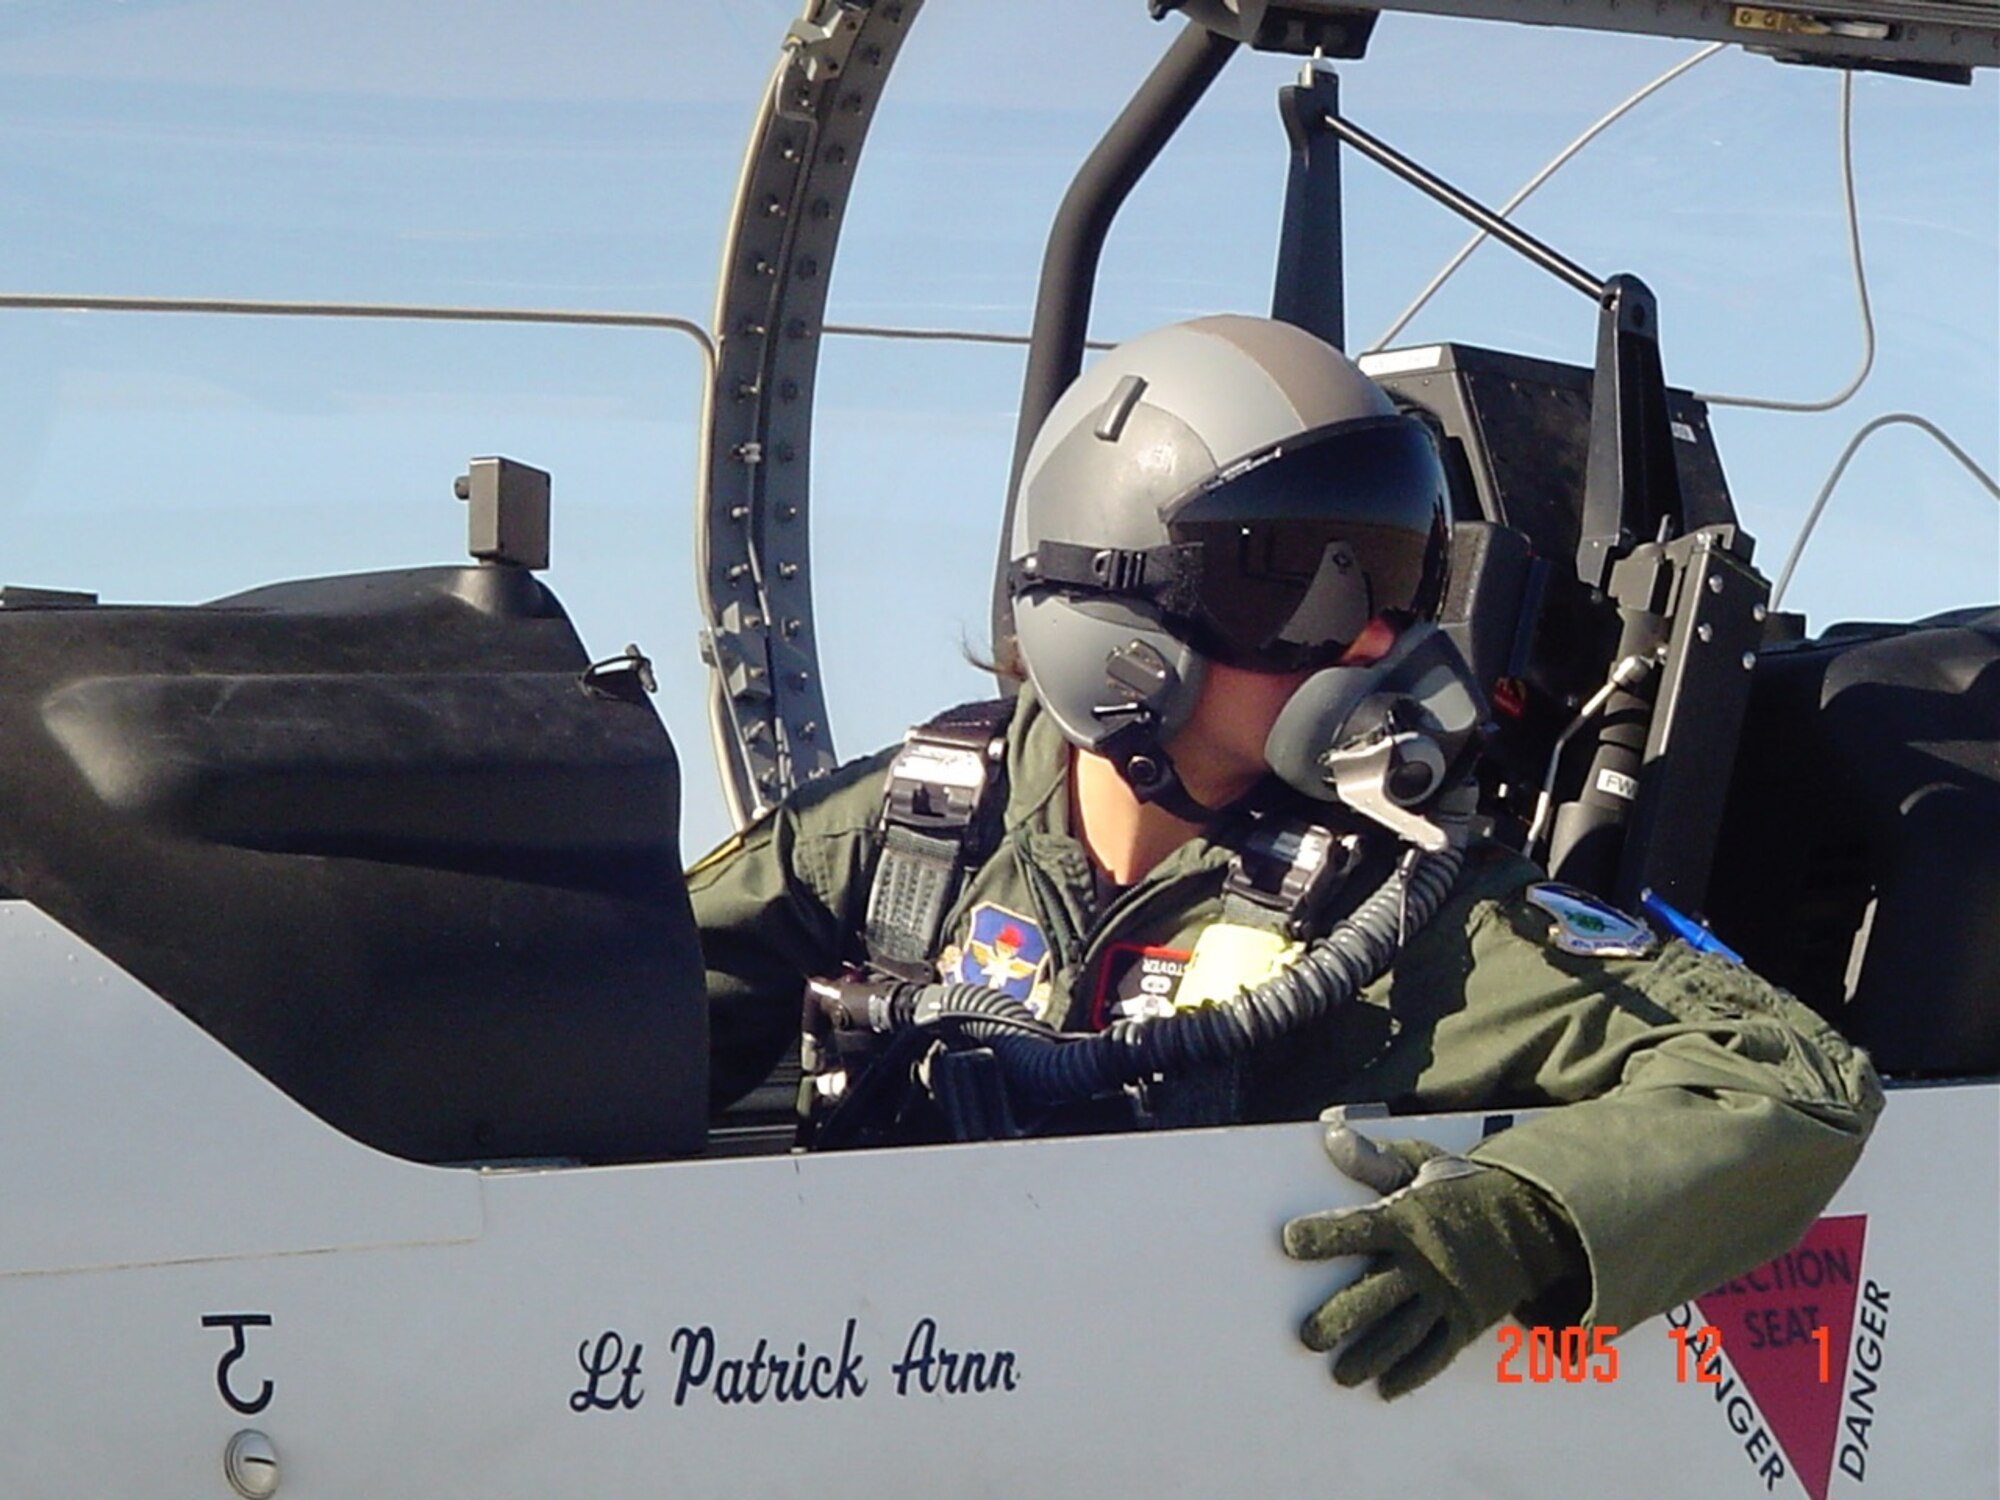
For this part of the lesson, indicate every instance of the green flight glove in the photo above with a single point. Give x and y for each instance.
(1455, 1246)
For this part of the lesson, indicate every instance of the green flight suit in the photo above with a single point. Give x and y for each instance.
(1709, 1116)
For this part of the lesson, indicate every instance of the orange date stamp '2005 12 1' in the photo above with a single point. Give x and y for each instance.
(1541, 1354)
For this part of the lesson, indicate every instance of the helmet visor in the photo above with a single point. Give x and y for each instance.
(1295, 549)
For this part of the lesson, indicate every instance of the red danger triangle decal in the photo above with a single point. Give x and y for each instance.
(1768, 1317)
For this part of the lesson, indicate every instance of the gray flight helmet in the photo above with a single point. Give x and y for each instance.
(1158, 430)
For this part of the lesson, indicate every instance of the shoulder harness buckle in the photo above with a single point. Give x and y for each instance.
(1292, 868)
(940, 814)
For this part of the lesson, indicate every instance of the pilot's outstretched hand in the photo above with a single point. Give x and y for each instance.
(1455, 1246)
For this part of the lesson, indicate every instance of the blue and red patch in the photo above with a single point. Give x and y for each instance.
(1003, 950)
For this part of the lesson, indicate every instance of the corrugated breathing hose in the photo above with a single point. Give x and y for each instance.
(1052, 1067)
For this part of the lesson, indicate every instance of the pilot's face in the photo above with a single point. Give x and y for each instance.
(1222, 743)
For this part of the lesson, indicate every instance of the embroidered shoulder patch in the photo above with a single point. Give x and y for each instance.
(1134, 981)
(1582, 924)
(1002, 950)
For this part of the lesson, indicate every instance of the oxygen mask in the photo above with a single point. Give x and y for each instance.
(1391, 739)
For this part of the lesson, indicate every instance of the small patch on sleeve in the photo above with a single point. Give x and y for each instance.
(1003, 950)
(1580, 923)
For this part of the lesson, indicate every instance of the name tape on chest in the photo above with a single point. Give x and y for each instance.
(1135, 981)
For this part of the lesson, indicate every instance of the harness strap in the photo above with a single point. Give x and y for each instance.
(1291, 870)
(916, 876)
(940, 817)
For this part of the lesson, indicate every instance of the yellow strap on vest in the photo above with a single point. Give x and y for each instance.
(1229, 957)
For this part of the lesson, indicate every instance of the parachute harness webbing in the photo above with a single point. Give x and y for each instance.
(941, 806)
(914, 882)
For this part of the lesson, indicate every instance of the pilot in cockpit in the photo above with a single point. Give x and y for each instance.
(1215, 862)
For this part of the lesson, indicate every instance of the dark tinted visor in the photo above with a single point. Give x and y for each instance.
(1296, 549)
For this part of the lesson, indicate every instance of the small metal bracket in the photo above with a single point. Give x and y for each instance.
(508, 521)
(822, 46)
(626, 678)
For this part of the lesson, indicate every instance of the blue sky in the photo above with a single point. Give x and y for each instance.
(522, 154)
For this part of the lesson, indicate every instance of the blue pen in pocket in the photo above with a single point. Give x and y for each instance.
(1685, 927)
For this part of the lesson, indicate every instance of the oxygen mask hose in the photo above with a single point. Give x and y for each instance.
(1051, 1067)
(1327, 975)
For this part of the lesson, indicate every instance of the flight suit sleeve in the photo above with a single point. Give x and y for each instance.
(776, 905)
(1708, 1116)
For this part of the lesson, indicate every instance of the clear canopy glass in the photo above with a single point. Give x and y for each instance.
(523, 155)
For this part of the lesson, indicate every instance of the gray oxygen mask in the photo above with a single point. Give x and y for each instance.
(1389, 739)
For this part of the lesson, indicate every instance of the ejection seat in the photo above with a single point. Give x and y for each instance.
(386, 837)
(1859, 863)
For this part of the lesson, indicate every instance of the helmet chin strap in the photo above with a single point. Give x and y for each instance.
(1140, 681)
(1144, 766)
